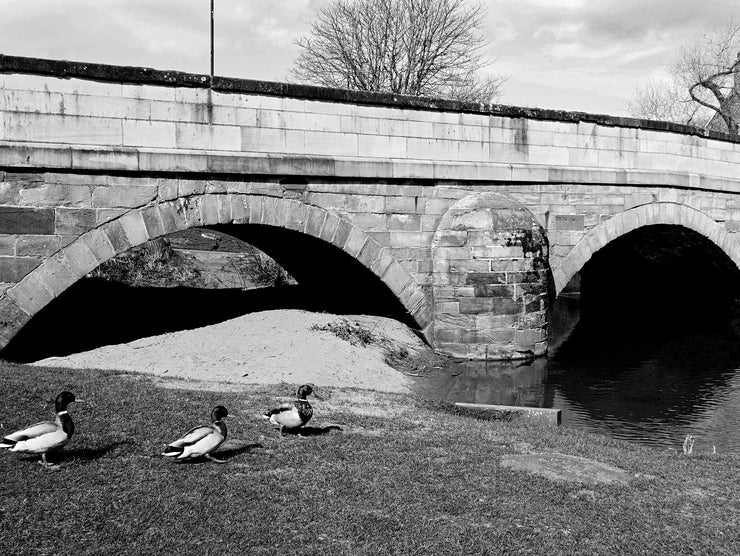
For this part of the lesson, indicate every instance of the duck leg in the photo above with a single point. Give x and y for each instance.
(46, 463)
(214, 460)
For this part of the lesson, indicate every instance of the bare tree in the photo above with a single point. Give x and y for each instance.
(414, 47)
(666, 101)
(704, 83)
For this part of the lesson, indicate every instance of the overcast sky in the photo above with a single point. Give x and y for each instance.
(586, 55)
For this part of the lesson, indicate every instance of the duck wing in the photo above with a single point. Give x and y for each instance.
(34, 431)
(39, 438)
(192, 436)
(197, 442)
(290, 418)
(280, 409)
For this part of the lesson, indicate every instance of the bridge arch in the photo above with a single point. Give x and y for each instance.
(637, 217)
(137, 226)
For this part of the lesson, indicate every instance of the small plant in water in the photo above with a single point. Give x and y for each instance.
(688, 445)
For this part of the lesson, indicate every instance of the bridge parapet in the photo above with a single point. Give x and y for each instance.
(179, 124)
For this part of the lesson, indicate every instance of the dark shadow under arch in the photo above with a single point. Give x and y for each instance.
(95, 312)
(335, 281)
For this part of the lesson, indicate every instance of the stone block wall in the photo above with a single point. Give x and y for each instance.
(92, 166)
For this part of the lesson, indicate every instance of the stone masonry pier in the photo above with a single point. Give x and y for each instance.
(473, 216)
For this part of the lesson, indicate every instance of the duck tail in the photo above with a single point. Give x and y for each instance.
(8, 443)
(172, 451)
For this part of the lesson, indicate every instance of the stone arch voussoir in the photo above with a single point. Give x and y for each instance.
(637, 217)
(137, 226)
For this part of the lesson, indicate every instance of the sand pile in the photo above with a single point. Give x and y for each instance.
(264, 348)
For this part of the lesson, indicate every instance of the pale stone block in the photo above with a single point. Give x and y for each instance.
(381, 146)
(382, 262)
(384, 128)
(410, 239)
(55, 275)
(333, 144)
(79, 258)
(240, 205)
(405, 169)
(529, 173)
(56, 195)
(209, 210)
(134, 228)
(297, 216)
(30, 294)
(105, 159)
(172, 220)
(148, 92)
(395, 277)
(190, 95)
(474, 151)
(167, 189)
(255, 209)
(319, 107)
(364, 203)
(177, 111)
(432, 149)
(234, 116)
(369, 253)
(208, 137)
(559, 278)
(173, 161)
(99, 244)
(114, 196)
(355, 242)
(141, 133)
(263, 139)
(493, 172)
(50, 128)
(224, 209)
(307, 121)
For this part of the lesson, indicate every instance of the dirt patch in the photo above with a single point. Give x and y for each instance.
(562, 467)
(264, 348)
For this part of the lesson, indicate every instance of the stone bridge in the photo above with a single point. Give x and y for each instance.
(467, 217)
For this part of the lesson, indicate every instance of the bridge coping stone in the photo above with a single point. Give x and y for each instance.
(128, 75)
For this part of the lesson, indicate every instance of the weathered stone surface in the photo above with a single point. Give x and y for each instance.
(36, 246)
(74, 221)
(12, 319)
(13, 269)
(566, 468)
(21, 220)
(457, 207)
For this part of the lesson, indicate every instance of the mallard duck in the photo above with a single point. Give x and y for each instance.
(202, 440)
(45, 437)
(296, 414)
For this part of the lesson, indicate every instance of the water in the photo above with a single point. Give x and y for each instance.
(637, 385)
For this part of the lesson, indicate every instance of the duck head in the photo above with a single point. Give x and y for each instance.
(307, 390)
(218, 413)
(63, 400)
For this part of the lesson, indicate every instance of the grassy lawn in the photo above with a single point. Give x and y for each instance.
(401, 477)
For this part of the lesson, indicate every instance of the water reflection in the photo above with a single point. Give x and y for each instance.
(640, 383)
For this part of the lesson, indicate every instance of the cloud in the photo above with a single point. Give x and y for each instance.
(596, 49)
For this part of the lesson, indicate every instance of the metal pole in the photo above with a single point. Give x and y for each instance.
(211, 38)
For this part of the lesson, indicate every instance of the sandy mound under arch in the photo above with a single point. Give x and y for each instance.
(260, 348)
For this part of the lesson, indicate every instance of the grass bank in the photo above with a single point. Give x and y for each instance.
(401, 477)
